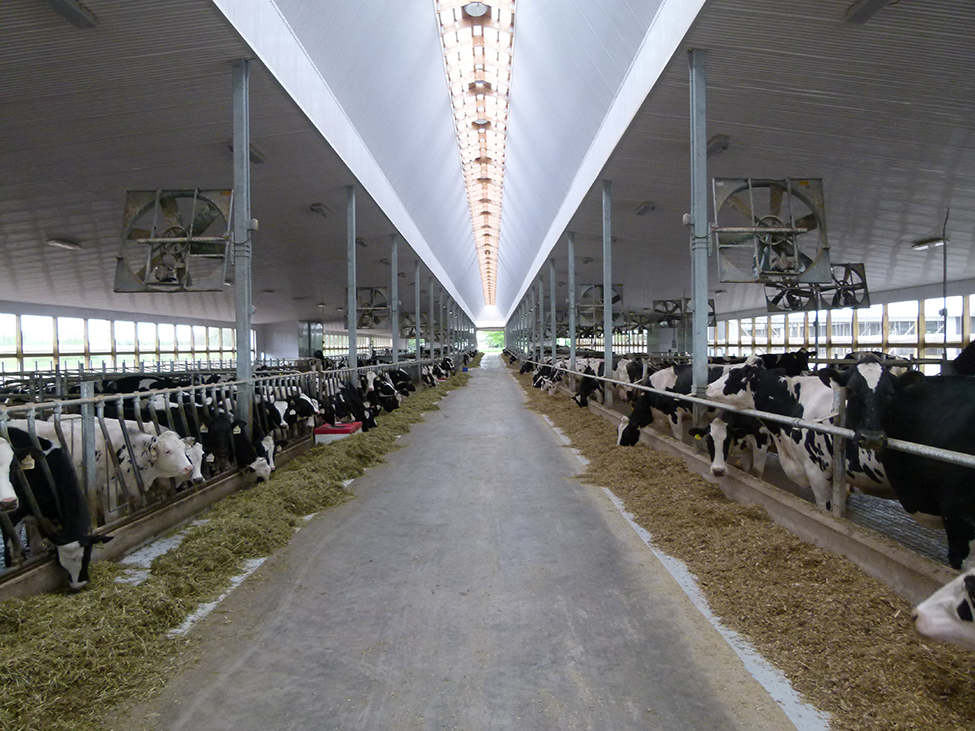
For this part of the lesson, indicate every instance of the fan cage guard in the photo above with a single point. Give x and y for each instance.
(161, 253)
(847, 289)
(589, 306)
(770, 250)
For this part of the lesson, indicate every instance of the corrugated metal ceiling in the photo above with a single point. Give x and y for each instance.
(882, 112)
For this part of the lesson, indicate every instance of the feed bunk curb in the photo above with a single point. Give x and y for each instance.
(911, 576)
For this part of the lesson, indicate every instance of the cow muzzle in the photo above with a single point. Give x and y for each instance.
(872, 439)
(9, 504)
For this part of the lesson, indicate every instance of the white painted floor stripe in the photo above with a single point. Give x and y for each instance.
(250, 566)
(802, 715)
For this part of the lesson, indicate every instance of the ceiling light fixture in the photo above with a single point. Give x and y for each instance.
(321, 209)
(74, 12)
(362, 242)
(385, 261)
(928, 243)
(645, 208)
(477, 40)
(64, 244)
(863, 10)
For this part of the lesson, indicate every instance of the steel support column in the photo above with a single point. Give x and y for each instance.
(541, 318)
(394, 295)
(607, 292)
(699, 223)
(352, 316)
(433, 320)
(416, 326)
(242, 228)
(571, 241)
(551, 289)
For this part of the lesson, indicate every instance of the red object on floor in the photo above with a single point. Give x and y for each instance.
(329, 432)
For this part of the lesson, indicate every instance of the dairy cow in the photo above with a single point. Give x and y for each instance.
(735, 438)
(937, 411)
(63, 519)
(8, 496)
(948, 615)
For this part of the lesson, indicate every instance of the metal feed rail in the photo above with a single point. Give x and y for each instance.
(922, 450)
(119, 499)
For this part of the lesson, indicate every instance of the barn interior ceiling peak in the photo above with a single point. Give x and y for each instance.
(873, 98)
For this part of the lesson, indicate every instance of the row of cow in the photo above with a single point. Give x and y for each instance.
(884, 401)
(152, 440)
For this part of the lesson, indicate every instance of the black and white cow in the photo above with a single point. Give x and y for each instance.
(937, 411)
(948, 615)
(792, 364)
(735, 438)
(8, 495)
(631, 371)
(64, 518)
(806, 456)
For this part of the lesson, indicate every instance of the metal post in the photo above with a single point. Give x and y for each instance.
(417, 333)
(551, 289)
(571, 240)
(433, 320)
(699, 235)
(350, 309)
(242, 239)
(88, 463)
(838, 504)
(394, 294)
(541, 318)
(607, 292)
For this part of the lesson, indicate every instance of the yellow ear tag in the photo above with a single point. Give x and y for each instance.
(698, 437)
(236, 430)
(203, 429)
(27, 463)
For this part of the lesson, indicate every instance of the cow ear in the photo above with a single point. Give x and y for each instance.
(153, 449)
(831, 376)
(909, 379)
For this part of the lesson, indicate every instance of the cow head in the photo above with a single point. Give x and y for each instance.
(75, 557)
(194, 452)
(948, 615)
(261, 468)
(167, 452)
(868, 384)
(735, 387)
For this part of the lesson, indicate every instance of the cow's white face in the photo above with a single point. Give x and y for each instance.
(71, 556)
(741, 398)
(268, 444)
(170, 456)
(8, 498)
(261, 468)
(194, 452)
(947, 615)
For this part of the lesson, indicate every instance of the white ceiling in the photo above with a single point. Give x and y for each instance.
(354, 93)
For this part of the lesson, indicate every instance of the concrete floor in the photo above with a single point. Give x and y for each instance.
(473, 584)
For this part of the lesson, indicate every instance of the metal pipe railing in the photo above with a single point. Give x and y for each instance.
(922, 450)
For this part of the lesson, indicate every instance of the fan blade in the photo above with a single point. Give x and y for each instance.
(138, 233)
(171, 210)
(741, 206)
(808, 222)
(203, 219)
(775, 200)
